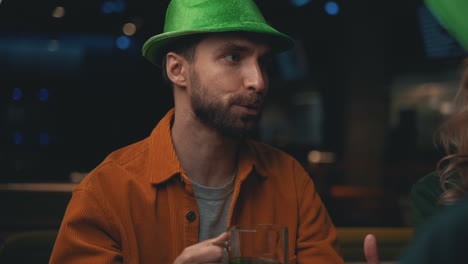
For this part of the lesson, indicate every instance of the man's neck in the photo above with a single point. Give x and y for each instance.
(207, 157)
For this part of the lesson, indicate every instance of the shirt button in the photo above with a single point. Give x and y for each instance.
(191, 216)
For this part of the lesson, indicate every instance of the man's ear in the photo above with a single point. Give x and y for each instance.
(176, 68)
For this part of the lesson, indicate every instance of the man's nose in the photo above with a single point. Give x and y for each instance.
(256, 78)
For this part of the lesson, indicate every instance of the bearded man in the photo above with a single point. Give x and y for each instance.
(170, 197)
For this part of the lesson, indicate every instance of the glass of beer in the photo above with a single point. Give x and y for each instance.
(258, 244)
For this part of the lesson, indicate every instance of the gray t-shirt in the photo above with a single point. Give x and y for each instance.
(213, 206)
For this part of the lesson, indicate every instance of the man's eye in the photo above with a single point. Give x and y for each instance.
(233, 57)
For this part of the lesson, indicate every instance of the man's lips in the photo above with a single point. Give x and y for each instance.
(251, 109)
(252, 106)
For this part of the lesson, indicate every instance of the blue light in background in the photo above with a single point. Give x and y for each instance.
(117, 6)
(107, 7)
(44, 139)
(43, 94)
(332, 8)
(17, 94)
(123, 42)
(120, 6)
(17, 138)
(299, 3)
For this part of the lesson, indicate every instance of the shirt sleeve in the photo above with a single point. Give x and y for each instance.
(87, 233)
(424, 196)
(317, 240)
(443, 239)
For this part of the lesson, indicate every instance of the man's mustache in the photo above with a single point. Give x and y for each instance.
(251, 99)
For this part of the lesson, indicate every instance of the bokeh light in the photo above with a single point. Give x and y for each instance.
(58, 12)
(129, 29)
(299, 3)
(332, 8)
(123, 42)
(17, 94)
(17, 138)
(107, 7)
(117, 6)
(43, 94)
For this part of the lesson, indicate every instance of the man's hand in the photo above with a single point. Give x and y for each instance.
(207, 252)
(370, 249)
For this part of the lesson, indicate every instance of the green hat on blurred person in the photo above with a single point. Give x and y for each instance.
(453, 15)
(188, 17)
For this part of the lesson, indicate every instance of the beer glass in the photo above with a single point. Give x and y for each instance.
(258, 244)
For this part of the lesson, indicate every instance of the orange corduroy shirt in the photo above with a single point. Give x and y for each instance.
(138, 206)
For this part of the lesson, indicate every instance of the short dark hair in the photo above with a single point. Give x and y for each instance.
(185, 47)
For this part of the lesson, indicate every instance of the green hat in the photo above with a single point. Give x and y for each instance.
(188, 17)
(453, 15)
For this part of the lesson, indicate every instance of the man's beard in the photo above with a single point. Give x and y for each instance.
(213, 113)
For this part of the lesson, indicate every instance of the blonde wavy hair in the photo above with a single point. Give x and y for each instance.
(453, 137)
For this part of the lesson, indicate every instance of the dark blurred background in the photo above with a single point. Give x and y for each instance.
(357, 101)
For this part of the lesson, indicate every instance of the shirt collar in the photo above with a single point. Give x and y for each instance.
(164, 163)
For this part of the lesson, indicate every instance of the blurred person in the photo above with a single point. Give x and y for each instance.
(440, 190)
(170, 197)
(449, 183)
(434, 192)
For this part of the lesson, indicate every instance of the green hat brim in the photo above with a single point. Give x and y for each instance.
(156, 47)
(453, 15)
